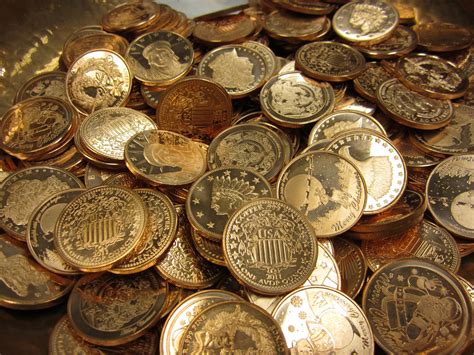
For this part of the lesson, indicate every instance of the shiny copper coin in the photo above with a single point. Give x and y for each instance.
(293, 100)
(270, 246)
(165, 158)
(308, 7)
(322, 320)
(367, 83)
(328, 189)
(233, 325)
(442, 37)
(100, 228)
(179, 320)
(240, 70)
(130, 16)
(26, 189)
(110, 310)
(422, 308)
(380, 163)
(224, 29)
(46, 84)
(196, 108)
(98, 79)
(23, 283)
(451, 196)
(432, 76)
(365, 21)
(329, 61)
(160, 58)
(101, 164)
(411, 109)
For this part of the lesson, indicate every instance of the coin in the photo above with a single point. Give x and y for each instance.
(342, 121)
(160, 58)
(36, 126)
(224, 29)
(161, 230)
(414, 306)
(152, 95)
(367, 83)
(401, 42)
(365, 21)
(110, 310)
(24, 190)
(179, 320)
(248, 145)
(46, 84)
(65, 340)
(196, 108)
(232, 325)
(270, 246)
(451, 196)
(318, 319)
(354, 102)
(216, 195)
(380, 163)
(105, 132)
(240, 70)
(182, 265)
(130, 17)
(124, 179)
(442, 37)
(100, 228)
(293, 100)
(329, 61)
(328, 189)
(108, 165)
(307, 7)
(39, 235)
(352, 265)
(414, 157)
(162, 157)
(98, 79)
(432, 76)
(271, 61)
(95, 176)
(208, 248)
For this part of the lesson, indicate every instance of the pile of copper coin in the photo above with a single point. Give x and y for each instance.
(294, 177)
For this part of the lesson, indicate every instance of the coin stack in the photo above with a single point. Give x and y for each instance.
(246, 182)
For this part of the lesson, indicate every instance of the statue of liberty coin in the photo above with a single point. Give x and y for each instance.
(24, 284)
(233, 326)
(270, 247)
(319, 319)
(329, 61)
(442, 37)
(160, 58)
(415, 306)
(50, 84)
(98, 79)
(218, 194)
(100, 228)
(327, 188)
(165, 158)
(451, 196)
(40, 237)
(24, 190)
(293, 100)
(380, 163)
(107, 309)
(367, 83)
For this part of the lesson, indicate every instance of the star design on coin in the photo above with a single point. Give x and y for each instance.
(233, 245)
(454, 327)
(227, 173)
(200, 188)
(196, 201)
(210, 225)
(324, 265)
(210, 178)
(400, 278)
(264, 191)
(199, 214)
(256, 180)
(243, 174)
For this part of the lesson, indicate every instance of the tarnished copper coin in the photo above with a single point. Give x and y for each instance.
(367, 83)
(293, 100)
(451, 196)
(165, 158)
(329, 61)
(270, 246)
(239, 69)
(432, 76)
(196, 108)
(320, 320)
(248, 145)
(412, 109)
(179, 320)
(442, 37)
(107, 309)
(24, 284)
(218, 194)
(327, 188)
(24, 190)
(380, 163)
(224, 29)
(160, 58)
(130, 16)
(47, 84)
(232, 326)
(98, 79)
(415, 306)
(100, 228)
(365, 21)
